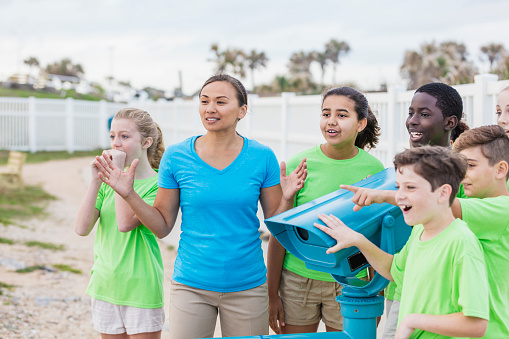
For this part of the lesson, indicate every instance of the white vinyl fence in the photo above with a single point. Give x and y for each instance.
(288, 124)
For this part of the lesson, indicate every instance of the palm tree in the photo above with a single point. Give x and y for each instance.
(235, 58)
(446, 62)
(493, 52)
(32, 62)
(229, 58)
(219, 58)
(334, 49)
(300, 63)
(256, 60)
(65, 67)
(321, 58)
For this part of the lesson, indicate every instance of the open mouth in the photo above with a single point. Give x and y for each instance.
(332, 132)
(211, 119)
(416, 135)
(405, 208)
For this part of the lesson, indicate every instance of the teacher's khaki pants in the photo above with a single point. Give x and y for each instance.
(193, 312)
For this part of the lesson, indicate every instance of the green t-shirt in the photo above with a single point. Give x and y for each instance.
(128, 268)
(489, 220)
(392, 291)
(443, 275)
(324, 177)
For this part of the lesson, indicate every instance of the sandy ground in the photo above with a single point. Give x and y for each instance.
(47, 303)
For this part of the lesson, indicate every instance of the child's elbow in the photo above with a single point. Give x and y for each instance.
(480, 328)
(81, 230)
(124, 228)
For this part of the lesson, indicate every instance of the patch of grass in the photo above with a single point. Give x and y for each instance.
(45, 245)
(25, 93)
(22, 203)
(29, 269)
(41, 156)
(63, 267)
(6, 241)
(7, 286)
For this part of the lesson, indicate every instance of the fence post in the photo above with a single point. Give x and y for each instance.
(285, 112)
(103, 125)
(392, 113)
(69, 124)
(32, 132)
(196, 116)
(177, 103)
(482, 103)
(250, 112)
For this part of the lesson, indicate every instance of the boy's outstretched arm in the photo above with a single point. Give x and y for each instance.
(451, 325)
(366, 196)
(346, 237)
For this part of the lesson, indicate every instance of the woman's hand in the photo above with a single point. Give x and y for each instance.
(115, 177)
(292, 183)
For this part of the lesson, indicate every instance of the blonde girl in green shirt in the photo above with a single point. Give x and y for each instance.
(126, 282)
(298, 297)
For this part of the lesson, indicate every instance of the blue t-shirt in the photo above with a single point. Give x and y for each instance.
(220, 247)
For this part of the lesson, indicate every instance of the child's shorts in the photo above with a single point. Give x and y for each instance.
(109, 318)
(306, 301)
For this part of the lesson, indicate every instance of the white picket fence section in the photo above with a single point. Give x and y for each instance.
(288, 124)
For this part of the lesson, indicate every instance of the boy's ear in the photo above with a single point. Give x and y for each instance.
(147, 143)
(450, 123)
(502, 167)
(445, 193)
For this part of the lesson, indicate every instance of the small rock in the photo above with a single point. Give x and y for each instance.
(43, 301)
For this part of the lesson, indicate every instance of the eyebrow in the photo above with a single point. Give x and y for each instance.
(338, 110)
(219, 97)
(420, 108)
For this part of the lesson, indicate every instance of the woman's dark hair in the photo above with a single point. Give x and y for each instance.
(449, 102)
(368, 137)
(237, 85)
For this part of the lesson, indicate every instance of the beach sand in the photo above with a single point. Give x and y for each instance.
(46, 303)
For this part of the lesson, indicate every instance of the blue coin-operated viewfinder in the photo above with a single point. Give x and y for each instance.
(382, 224)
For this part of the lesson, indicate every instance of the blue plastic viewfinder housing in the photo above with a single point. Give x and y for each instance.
(382, 224)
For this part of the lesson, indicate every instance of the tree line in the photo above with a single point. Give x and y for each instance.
(445, 62)
(299, 77)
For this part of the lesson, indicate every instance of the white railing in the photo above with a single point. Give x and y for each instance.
(288, 124)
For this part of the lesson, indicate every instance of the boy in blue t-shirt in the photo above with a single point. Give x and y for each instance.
(441, 268)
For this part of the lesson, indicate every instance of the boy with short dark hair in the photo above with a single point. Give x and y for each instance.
(487, 151)
(441, 268)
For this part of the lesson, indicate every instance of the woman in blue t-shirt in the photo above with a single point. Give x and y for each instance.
(217, 180)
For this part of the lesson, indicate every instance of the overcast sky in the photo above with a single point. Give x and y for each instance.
(148, 42)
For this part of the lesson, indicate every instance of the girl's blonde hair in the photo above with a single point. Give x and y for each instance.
(148, 128)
